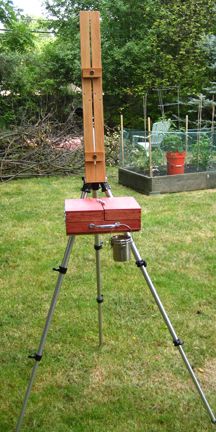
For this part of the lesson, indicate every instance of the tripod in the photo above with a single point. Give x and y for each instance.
(95, 179)
(62, 270)
(141, 264)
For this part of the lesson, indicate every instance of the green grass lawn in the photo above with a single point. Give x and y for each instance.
(137, 380)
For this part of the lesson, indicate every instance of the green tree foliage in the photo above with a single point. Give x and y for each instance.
(17, 37)
(18, 68)
(7, 13)
(125, 29)
(208, 44)
(175, 41)
(145, 44)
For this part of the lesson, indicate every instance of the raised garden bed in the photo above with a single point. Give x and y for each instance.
(162, 183)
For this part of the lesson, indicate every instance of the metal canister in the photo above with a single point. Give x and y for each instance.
(121, 247)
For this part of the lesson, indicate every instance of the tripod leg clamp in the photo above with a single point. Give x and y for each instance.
(60, 269)
(178, 342)
(141, 263)
(36, 357)
(98, 247)
(100, 299)
(86, 188)
(105, 187)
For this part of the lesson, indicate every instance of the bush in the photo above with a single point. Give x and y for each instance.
(202, 152)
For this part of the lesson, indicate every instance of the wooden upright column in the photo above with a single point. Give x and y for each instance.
(93, 121)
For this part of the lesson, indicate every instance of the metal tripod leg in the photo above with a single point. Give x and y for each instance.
(177, 342)
(98, 246)
(37, 357)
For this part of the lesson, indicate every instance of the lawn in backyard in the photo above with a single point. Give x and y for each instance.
(136, 381)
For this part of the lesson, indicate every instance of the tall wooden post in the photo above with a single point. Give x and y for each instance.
(122, 138)
(93, 121)
(150, 147)
(186, 133)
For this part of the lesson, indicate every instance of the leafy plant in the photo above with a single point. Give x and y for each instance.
(112, 145)
(135, 156)
(173, 142)
(157, 157)
(202, 152)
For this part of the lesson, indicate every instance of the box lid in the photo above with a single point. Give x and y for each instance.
(121, 208)
(102, 209)
(83, 210)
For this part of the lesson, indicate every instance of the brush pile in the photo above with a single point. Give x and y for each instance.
(46, 148)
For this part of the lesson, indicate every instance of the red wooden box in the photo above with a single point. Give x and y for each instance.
(80, 214)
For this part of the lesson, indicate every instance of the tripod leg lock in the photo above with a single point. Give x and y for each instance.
(86, 186)
(36, 357)
(141, 263)
(178, 342)
(100, 299)
(98, 247)
(105, 187)
(60, 269)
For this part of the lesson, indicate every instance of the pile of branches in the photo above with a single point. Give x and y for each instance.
(112, 146)
(46, 148)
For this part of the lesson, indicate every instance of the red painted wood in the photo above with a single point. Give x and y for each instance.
(82, 212)
(87, 209)
(122, 207)
(83, 227)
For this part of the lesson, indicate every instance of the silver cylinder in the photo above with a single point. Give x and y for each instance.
(121, 245)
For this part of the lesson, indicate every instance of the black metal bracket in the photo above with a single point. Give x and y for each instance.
(36, 357)
(177, 342)
(98, 247)
(105, 187)
(100, 299)
(87, 187)
(95, 186)
(60, 269)
(141, 263)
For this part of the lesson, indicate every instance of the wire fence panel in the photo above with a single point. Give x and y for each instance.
(199, 147)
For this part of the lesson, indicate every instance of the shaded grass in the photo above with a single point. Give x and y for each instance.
(136, 381)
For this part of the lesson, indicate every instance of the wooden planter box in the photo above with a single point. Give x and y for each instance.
(167, 183)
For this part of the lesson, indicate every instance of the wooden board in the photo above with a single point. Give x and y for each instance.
(93, 121)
